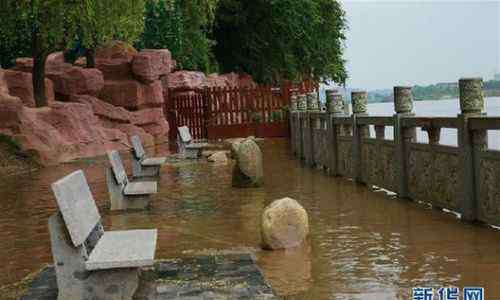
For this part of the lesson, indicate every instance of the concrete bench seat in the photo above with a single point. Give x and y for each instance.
(123, 193)
(188, 148)
(143, 166)
(90, 262)
(154, 161)
(141, 188)
(123, 249)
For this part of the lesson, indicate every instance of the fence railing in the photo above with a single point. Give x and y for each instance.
(463, 178)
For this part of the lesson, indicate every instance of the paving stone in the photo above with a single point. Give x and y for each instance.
(164, 280)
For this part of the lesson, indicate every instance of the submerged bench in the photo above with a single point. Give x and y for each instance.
(91, 263)
(143, 166)
(123, 193)
(187, 147)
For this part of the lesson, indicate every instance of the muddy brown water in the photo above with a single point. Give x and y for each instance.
(364, 244)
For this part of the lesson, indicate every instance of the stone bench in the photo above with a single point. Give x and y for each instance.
(91, 263)
(123, 193)
(188, 148)
(143, 166)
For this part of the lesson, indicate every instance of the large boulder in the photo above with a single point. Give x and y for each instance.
(77, 81)
(4, 89)
(115, 69)
(153, 95)
(242, 80)
(153, 121)
(284, 224)
(216, 80)
(150, 64)
(219, 157)
(116, 50)
(186, 79)
(104, 110)
(60, 132)
(248, 170)
(124, 93)
(20, 84)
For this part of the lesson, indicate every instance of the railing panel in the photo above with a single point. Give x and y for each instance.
(377, 162)
(489, 187)
(433, 175)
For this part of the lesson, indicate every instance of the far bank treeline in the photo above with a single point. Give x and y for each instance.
(272, 40)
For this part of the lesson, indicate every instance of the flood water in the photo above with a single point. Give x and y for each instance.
(363, 244)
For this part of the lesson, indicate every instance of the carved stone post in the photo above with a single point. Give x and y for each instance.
(301, 119)
(312, 107)
(403, 136)
(293, 124)
(470, 143)
(359, 102)
(336, 109)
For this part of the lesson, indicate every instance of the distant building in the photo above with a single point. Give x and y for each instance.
(497, 77)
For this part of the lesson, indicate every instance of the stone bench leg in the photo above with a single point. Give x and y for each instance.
(140, 171)
(118, 200)
(75, 282)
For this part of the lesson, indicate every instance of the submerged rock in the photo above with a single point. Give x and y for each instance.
(248, 170)
(284, 224)
(219, 157)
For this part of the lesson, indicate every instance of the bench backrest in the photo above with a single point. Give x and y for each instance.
(117, 167)
(138, 149)
(77, 206)
(184, 134)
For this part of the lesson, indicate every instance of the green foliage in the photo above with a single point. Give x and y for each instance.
(23, 19)
(182, 26)
(100, 22)
(273, 40)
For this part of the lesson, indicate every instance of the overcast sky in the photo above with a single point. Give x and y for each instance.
(410, 42)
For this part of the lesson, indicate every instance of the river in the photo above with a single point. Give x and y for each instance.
(363, 244)
(440, 108)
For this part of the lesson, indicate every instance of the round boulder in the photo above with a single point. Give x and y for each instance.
(248, 170)
(219, 157)
(284, 224)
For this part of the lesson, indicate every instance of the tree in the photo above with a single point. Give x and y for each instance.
(275, 40)
(100, 22)
(46, 27)
(182, 26)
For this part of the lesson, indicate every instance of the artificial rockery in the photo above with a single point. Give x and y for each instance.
(93, 110)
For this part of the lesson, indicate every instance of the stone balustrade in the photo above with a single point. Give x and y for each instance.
(460, 178)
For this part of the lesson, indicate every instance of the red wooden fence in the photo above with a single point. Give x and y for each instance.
(215, 113)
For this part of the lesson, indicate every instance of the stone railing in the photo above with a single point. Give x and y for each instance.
(463, 178)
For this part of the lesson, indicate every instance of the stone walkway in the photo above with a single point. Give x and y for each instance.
(229, 276)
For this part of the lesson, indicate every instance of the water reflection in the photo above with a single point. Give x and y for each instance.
(363, 244)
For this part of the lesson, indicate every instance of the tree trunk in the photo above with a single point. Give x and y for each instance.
(90, 55)
(38, 72)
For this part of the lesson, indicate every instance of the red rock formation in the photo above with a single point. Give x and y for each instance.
(115, 69)
(20, 84)
(150, 64)
(76, 81)
(124, 93)
(116, 50)
(60, 132)
(186, 79)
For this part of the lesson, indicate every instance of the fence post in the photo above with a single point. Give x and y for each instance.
(334, 108)
(469, 142)
(403, 136)
(359, 101)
